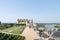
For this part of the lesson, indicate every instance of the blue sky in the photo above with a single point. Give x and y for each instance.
(42, 11)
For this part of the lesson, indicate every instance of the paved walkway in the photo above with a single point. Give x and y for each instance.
(30, 34)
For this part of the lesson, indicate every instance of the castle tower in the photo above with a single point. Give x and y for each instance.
(29, 23)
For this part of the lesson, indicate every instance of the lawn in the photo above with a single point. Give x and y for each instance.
(15, 30)
(57, 26)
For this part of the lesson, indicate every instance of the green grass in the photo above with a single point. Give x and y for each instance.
(18, 31)
(41, 27)
(15, 30)
(57, 26)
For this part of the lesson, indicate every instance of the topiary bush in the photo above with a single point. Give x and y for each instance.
(4, 36)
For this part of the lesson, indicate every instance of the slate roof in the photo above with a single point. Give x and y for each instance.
(56, 34)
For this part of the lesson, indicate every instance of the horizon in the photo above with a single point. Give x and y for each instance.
(41, 11)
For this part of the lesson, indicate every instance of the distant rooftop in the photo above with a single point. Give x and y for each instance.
(56, 34)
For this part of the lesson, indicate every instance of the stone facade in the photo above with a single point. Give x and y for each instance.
(25, 21)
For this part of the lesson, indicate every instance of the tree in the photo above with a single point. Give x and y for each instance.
(0, 22)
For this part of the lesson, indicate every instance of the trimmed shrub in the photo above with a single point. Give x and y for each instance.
(4, 36)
